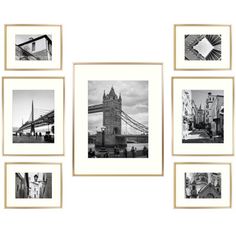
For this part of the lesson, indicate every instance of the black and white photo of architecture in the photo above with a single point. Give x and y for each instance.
(118, 119)
(33, 47)
(33, 185)
(203, 185)
(202, 116)
(203, 47)
(33, 116)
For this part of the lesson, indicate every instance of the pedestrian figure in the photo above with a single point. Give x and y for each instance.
(106, 154)
(114, 149)
(125, 152)
(133, 151)
(118, 152)
(91, 153)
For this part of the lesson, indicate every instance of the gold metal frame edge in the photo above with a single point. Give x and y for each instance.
(73, 134)
(3, 130)
(203, 25)
(203, 163)
(172, 114)
(33, 163)
(33, 69)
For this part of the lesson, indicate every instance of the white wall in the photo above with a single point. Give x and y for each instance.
(123, 30)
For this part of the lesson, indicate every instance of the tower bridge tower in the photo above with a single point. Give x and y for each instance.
(112, 106)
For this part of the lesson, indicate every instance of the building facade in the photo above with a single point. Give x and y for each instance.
(38, 48)
(21, 185)
(112, 106)
(203, 185)
(214, 114)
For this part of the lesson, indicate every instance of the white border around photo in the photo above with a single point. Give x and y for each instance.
(10, 47)
(180, 201)
(151, 72)
(31, 83)
(202, 83)
(12, 202)
(179, 52)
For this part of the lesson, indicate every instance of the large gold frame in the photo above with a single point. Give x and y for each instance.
(32, 69)
(203, 163)
(32, 163)
(172, 111)
(73, 140)
(202, 25)
(33, 77)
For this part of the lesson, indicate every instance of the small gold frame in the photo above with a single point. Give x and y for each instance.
(202, 25)
(33, 77)
(33, 163)
(32, 69)
(73, 134)
(172, 111)
(203, 163)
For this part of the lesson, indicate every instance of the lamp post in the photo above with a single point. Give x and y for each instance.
(103, 137)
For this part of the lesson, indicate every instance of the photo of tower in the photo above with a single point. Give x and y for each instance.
(118, 119)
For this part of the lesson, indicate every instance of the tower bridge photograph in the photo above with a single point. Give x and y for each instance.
(118, 119)
(33, 116)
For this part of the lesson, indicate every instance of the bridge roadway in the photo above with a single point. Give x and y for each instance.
(46, 119)
(95, 108)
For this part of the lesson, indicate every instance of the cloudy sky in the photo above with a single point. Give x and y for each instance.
(22, 104)
(200, 96)
(134, 101)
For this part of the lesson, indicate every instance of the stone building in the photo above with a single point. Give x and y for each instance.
(38, 48)
(112, 106)
(200, 118)
(218, 115)
(203, 185)
(189, 111)
(21, 185)
(214, 114)
(46, 190)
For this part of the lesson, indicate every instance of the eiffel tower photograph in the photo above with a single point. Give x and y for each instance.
(118, 119)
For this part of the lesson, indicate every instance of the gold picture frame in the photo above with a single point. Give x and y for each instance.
(229, 181)
(198, 67)
(40, 206)
(218, 79)
(59, 86)
(23, 68)
(74, 173)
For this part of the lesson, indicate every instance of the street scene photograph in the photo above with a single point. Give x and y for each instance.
(203, 185)
(203, 47)
(33, 185)
(118, 119)
(33, 47)
(33, 116)
(202, 116)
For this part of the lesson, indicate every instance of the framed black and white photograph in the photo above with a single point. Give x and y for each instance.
(202, 47)
(33, 115)
(33, 185)
(115, 119)
(33, 47)
(202, 115)
(202, 185)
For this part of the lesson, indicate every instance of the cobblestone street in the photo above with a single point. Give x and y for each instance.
(201, 136)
